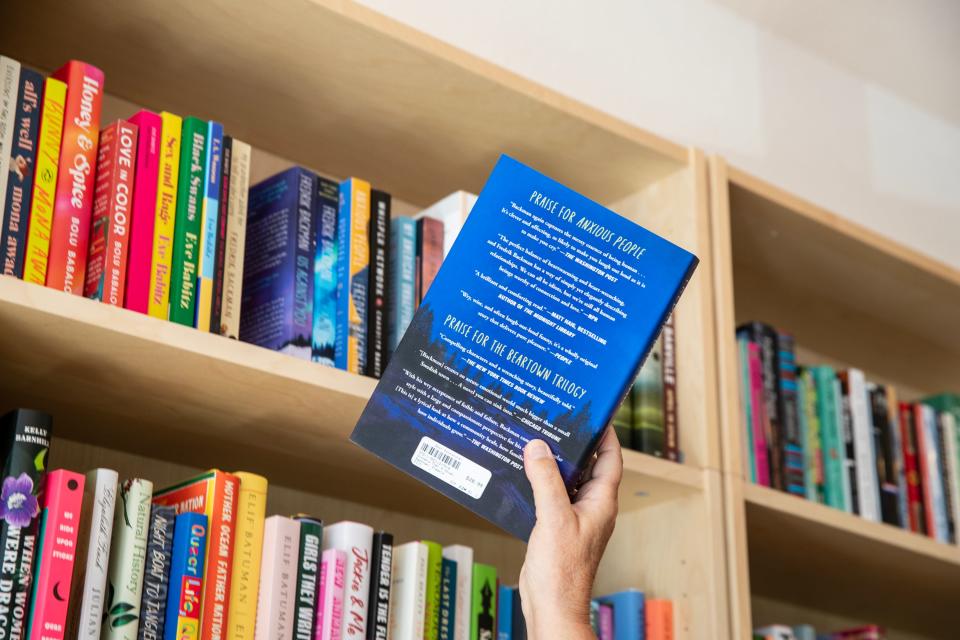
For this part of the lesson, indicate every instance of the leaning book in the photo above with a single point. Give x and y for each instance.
(534, 327)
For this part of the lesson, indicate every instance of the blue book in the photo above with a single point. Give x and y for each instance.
(933, 481)
(277, 307)
(353, 274)
(505, 613)
(325, 273)
(206, 264)
(448, 599)
(156, 577)
(403, 277)
(519, 631)
(15, 209)
(534, 327)
(186, 575)
(628, 614)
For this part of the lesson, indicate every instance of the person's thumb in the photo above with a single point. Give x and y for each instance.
(549, 494)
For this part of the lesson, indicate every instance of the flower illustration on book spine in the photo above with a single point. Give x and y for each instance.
(18, 505)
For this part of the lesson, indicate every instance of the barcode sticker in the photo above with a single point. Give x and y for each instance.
(451, 467)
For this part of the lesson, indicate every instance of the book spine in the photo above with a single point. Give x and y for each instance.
(380, 580)
(930, 467)
(325, 274)
(947, 475)
(40, 221)
(504, 613)
(792, 442)
(605, 622)
(221, 513)
(429, 251)
(948, 426)
(186, 234)
(448, 600)
(9, 83)
(746, 410)
(761, 421)
(766, 338)
(483, 616)
(810, 423)
(648, 425)
(849, 444)
(278, 575)
(220, 257)
(144, 205)
(308, 568)
(26, 443)
(236, 239)
(63, 499)
(671, 424)
(353, 266)
(248, 547)
(378, 351)
(329, 623)
(893, 413)
(19, 174)
(356, 540)
(868, 490)
(431, 619)
(659, 619)
(182, 615)
(409, 591)
(886, 462)
(78, 157)
(208, 225)
(341, 327)
(463, 556)
(158, 302)
(156, 579)
(403, 298)
(303, 243)
(107, 258)
(916, 516)
(127, 557)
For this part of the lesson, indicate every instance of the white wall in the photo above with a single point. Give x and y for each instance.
(853, 105)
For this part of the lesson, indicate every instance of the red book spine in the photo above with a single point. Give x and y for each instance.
(431, 251)
(78, 156)
(911, 469)
(923, 470)
(216, 588)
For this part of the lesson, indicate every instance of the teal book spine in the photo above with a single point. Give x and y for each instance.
(747, 409)
(325, 273)
(831, 439)
(448, 599)
(505, 613)
(403, 277)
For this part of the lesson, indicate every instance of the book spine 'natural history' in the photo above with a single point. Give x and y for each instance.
(220, 255)
(156, 578)
(191, 536)
(161, 260)
(381, 565)
(251, 511)
(78, 159)
(353, 263)
(23, 146)
(278, 577)
(404, 298)
(143, 208)
(208, 225)
(325, 273)
(40, 224)
(236, 239)
(308, 570)
(128, 555)
(9, 84)
(186, 235)
(377, 330)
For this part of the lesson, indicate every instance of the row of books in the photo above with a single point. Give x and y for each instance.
(629, 615)
(647, 418)
(836, 438)
(808, 632)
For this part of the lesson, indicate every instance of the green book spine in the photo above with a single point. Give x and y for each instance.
(308, 573)
(831, 441)
(128, 554)
(811, 420)
(749, 455)
(648, 422)
(186, 235)
(431, 615)
(483, 604)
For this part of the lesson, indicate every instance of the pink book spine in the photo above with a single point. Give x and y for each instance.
(759, 415)
(606, 622)
(63, 497)
(333, 566)
(140, 251)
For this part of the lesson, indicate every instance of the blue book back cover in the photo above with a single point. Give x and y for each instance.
(186, 571)
(629, 622)
(535, 326)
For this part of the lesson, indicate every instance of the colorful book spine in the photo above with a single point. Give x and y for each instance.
(325, 274)
(23, 147)
(144, 209)
(404, 297)
(329, 623)
(308, 570)
(761, 420)
(278, 578)
(893, 413)
(409, 591)
(463, 556)
(830, 437)
(746, 410)
(40, 221)
(849, 443)
(629, 613)
(868, 489)
(236, 239)
(89, 585)
(213, 494)
(916, 513)
(78, 158)
(429, 251)
(765, 337)
(186, 234)
(504, 613)
(648, 423)
(887, 459)
(659, 619)
(128, 553)
(483, 603)
(671, 422)
(353, 262)
(251, 513)
(356, 540)
(190, 539)
(948, 473)
(381, 566)
(24, 445)
(431, 614)
(9, 84)
(378, 349)
(220, 256)
(792, 442)
(930, 462)
(605, 622)
(156, 579)
(109, 232)
(164, 225)
(208, 225)
(813, 455)
(448, 599)
(56, 553)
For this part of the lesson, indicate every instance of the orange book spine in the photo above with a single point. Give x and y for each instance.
(659, 619)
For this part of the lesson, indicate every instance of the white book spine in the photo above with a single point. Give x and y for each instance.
(9, 86)
(951, 459)
(236, 236)
(463, 556)
(868, 487)
(933, 482)
(839, 422)
(408, 591)
(278, 578)
(356, 540)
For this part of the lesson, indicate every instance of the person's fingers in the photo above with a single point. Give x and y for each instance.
(549, 494)
(607, 472)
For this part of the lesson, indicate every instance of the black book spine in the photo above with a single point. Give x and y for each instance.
(948, 487)
(671, 426)
(849, 448)
(766, 338)
(381, 561)
(308, 577)
(378, 349)
(25, 438)
(156, 578)
(884, 443)
(220, 254)
(519, 624)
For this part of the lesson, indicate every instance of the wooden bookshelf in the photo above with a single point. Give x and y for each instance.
(345, 91)
(851, 298)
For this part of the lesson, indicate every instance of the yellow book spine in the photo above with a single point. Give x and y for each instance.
(159, 302)
(251, 511)
(45, 182)
(359, 263)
